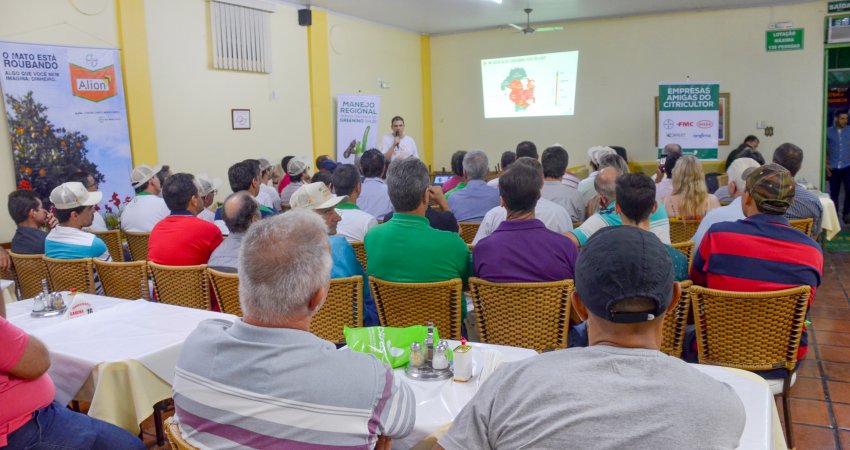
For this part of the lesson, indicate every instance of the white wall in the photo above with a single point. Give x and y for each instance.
(46, 22)
(192, 101)
(621, 62)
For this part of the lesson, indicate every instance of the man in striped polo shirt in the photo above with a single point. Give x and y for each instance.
(761, 252)
(265, 381)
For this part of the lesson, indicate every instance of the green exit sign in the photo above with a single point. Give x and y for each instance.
(837, 7)
(784, 40)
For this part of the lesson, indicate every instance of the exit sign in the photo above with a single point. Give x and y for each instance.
(837, 7)
(784, 40)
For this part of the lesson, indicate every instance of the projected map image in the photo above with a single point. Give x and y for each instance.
(529, 86)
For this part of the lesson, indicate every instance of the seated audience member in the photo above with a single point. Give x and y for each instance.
(285, 180)
(74, 209)
(664, 188)
(606, 186)
(98, 223)
(806, 205)
(30, 217)
(761, 252)
(147, 208)
(320, 159)
(209, 188)
(553, 216)
(322, 177)
(690, 198)
(731, 212)
(328, 166)
(457, 169)
(621, 152)
(318, 198)
(585, 187)
(268, 196)
(526, 149)
(471, 203)
(722, 192)
(635, 203)
(245, 176)
(299, 174)
(317, 396)
(373, 197)
(163, 173)
(239, 212)
(522, 249)
(182, 239)
(407, 249)
(555, 161)
(751, 143)
(507, 159)
(609, 160)
(30, 418)
(439, 214)
(619, 392)
(355, 223)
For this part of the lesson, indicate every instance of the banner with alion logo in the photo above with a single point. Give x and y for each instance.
(66, 114)
(688, 115)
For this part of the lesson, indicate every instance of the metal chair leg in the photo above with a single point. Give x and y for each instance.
(786, 409)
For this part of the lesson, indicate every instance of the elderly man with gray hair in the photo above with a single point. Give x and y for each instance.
(733, 211)
(240, 210)
(471, 203)
(272, 383)
(594, 154)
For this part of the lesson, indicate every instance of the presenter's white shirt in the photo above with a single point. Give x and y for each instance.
(143, 212)
(406, 147)
(553, 216)
(354, 224)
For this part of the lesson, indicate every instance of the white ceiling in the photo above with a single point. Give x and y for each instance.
(453, 16)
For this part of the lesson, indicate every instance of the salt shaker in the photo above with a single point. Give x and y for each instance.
(441, 358)
(417, 355)
(57, 301)
(38, 303)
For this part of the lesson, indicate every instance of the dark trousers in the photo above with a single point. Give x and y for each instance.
(840, 177)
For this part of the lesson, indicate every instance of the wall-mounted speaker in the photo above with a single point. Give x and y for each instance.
(305, 17)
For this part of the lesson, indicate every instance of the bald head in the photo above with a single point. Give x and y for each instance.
(240, 210)
(606, 182)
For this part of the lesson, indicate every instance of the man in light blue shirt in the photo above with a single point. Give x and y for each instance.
(732, 211)
(373, 197)
(838, 161)
(471, 203)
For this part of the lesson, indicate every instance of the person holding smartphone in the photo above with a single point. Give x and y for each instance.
(398, 145)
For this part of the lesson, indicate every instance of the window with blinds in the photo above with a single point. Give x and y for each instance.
(241, 35)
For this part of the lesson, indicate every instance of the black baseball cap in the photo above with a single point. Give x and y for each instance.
(620, 263)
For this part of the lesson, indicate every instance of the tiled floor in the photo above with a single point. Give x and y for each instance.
(821, 396)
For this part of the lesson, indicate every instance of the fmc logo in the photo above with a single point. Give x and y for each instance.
(705, 124)
(685, 124)
(95, 85)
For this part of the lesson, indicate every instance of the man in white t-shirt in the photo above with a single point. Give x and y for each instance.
(355, 223)
(208, 189)
(268, 195)
(147, 208)
(398, 145)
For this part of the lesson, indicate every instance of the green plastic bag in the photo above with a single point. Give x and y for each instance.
(390, 345)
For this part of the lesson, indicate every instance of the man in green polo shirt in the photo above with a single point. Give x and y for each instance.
(406, 249)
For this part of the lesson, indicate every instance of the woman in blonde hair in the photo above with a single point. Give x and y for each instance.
(690, 198)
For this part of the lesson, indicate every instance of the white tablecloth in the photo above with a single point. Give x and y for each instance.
(831, 225)
(438, 402)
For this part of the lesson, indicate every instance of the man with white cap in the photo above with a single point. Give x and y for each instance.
(147, 208)
(208, 188)
(299, 173)
(594, 154)
(74, 206)
(268, 196)
(318, 197)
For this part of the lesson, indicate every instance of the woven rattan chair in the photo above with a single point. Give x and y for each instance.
(468, 230)
(530, 315)
(752, 331)
(675, 321)
(360, 251)
(138, 244)
(687, 249)
(124, 279)
(112, 239)
(804, 225)
(11, 275)
(175, 437)
(406, 304)
(67, 274)
(181, 285)
(682, 230)
(29, 271)
(226, 288)
(343, 306)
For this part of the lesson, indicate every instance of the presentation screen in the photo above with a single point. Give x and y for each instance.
(530, 86)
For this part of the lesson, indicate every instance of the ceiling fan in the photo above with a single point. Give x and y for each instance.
(528, 29)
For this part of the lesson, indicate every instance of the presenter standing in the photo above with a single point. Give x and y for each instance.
(398, 145)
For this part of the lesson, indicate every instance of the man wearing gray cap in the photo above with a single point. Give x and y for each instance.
(619, 392)
(299, 173)
(208, 188)
(74, 206)
(147, 208)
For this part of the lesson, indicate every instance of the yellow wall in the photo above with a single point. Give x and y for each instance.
(361, 53)
(621, 62)
(46, 22)
(192, 102)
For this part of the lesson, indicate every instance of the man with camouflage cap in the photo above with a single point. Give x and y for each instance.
(761, 252)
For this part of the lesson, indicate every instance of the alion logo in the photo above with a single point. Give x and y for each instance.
(705, 124)
(95, 85)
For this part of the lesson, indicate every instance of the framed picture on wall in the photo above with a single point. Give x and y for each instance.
(723, 131)
(240, 119)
